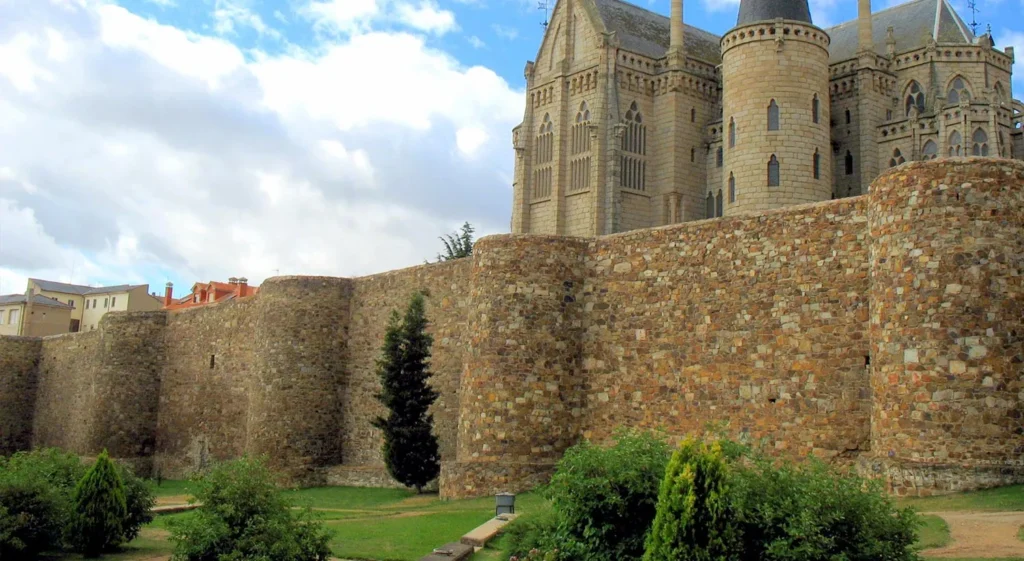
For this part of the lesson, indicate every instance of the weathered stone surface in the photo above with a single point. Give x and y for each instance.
(885, 330)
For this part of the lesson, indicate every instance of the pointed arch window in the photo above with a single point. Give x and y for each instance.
(544, 155)
(849, 163)
(709, 206)
(914, 98)
(732, 189)
(719, 204)
(773, 172)
(579, 150)
(958, 91)
(633, 173)
(817, 164)
(956, 143)
(693, 155)
(693, 115)
(979, 141)
(897, 158)
(930, 151)
(815, 108)
(719, 157)
(773, 116)
(732, 133)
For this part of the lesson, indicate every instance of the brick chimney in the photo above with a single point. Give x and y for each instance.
(168, 294)
(243, 287)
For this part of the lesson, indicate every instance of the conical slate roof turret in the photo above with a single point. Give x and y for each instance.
(753, 11)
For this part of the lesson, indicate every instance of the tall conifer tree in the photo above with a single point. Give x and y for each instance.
(410, 447)
(100, 509)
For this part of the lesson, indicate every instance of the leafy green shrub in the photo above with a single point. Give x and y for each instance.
(605, 498)
(37, 489)
(536, 532)
(807, 512)
(243, 516)
(694, 520)
(100, 510)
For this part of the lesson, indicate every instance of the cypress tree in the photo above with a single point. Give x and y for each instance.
(100, 508)
(694, 519)
(410, 447)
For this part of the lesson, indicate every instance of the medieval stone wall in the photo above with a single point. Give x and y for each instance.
(885, 328)
(19, 362)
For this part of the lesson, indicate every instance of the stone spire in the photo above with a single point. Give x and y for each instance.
(865, 33)
(753, 11)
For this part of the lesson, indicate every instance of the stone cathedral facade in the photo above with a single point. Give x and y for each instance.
(635, 120)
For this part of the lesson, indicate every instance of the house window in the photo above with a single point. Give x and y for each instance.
(71, 303)
(719, 157)
(955, 144)
(849, 163)
(719, 206)
(579, 164)
(709, 207)
(732, 133)
(634, 148)
(773, 116)
(105, 302)
(113, 301)
(815, 108)
(13, 317)
(543, 156)
(1, 317)
(897, 158)
(817, 164)
(773, 171)
(958, 91)
(980, 143)
(87, 304)
(94, 303)
(915, 98)
(732, 189)
(930, 150)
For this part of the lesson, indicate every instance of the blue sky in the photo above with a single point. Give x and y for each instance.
(195, 140)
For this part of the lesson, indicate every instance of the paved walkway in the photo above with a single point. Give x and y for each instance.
(981, 534)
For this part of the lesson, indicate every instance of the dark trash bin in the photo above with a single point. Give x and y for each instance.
(504, 503)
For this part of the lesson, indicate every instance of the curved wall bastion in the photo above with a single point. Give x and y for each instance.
(884, 331)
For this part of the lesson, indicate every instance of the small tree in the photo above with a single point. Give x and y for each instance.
(100, 509)
(410, 447)
(457, 244)
(694, 519)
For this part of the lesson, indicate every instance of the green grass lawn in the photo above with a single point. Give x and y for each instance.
(933, 533)
(991, 500)
(169, 488)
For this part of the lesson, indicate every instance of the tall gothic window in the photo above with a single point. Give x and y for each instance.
(732, 133)
(815, 108)
(773, 116)
(956, 143)
(1000, 92)
(848, 117)
(773, 171)
(817, 164)
(732, 189)
(915, 98)
(634, 150)
(709, 206)
(719, 204)
(930, 151)
(544, 155)
(958, 91)
(719, 158)
(693, 155)
(979, 142)
(579, 151)
(849, 163)
(897, 158)
(693, 115)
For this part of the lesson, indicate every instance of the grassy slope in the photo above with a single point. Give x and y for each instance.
(991, 500)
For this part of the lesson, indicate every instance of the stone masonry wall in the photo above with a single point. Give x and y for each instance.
(19, 362)
(947, 323)
(64, 399)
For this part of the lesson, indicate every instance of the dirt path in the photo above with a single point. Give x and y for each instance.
(981, 534)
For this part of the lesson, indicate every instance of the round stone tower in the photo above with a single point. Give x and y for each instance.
(775, 108)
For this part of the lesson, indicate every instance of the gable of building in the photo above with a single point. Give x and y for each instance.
(915, 24)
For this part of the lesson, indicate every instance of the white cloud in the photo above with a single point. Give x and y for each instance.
(163, 3)
(342, 16)
(426, 16)
(505, 32)
(229, 15)
(178, 153)
(476, 42)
